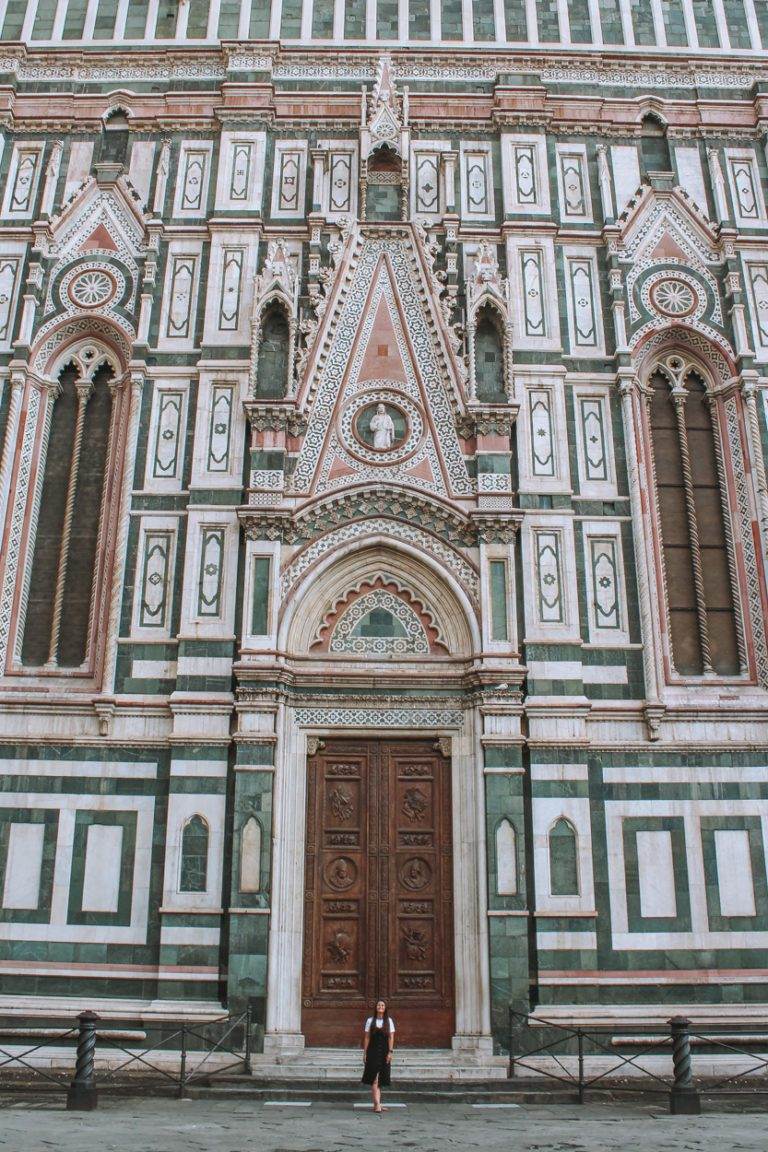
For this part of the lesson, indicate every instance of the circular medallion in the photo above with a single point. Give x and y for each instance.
(415, 874)
(341, 873)
(92, 289)
(381, 426)
(673, 297)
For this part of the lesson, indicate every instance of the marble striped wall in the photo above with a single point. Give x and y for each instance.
(725, 25)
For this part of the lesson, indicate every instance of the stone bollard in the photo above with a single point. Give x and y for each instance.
(684, 1098)
(82, 1096)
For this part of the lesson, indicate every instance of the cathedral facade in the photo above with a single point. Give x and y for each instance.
(384, 513)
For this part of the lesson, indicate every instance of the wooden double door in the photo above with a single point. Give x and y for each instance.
(378, 893)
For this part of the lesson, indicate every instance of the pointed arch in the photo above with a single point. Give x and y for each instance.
(359, 561)
(193, 857)
(61, 602)
(250, 856)
(696, 545)
(113, 145)
(654, 146)
(563, 848)
(506, 858)
(274, 364)
(489, 355)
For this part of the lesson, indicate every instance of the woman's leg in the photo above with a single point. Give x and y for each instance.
(376, 1093)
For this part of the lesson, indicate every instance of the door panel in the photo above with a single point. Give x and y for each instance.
(378, 892)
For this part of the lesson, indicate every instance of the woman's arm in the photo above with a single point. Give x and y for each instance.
(366, 1042)
(391, 1040)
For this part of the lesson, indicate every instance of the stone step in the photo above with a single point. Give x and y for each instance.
(419, 1064)
(344, 1092)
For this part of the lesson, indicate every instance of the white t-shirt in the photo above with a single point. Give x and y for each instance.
(379, 1024)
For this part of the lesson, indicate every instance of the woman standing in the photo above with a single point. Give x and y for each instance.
(378, 1043)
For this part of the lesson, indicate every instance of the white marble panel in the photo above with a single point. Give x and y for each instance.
(103, 856)
(626, 173)
(23, 866)
(734, 872)
(656, 874)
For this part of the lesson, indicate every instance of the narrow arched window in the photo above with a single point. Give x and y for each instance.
(250, 856)
(654, 146)
(506, 859)
(690, 498)
(193, 873)
(58, 619)
(274, 355)
(563, 859)
(489, 358)
(384, 185)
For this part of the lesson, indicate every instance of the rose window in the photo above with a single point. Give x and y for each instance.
(92, 289)
(673, 298)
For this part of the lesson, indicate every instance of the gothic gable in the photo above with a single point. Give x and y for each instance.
(98, 219)
(381, 410)
(671, 255)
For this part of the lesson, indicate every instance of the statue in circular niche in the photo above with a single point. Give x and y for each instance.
(381, 426)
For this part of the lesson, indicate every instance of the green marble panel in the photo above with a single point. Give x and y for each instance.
(610, 22)
(499, 621)
(452, 27)
(761, 11)
(83, 821)
(197, 23)
(386, 19)
(705, 23)
(136, 19)
(44, 17)
(167, 13)
(290, 24)
(642, 22)
(354, 20)
(736, 19)
(674, 23)
(74, 21)
(482, 20)
(418, 20)
(549, 25)
(581, 26)
(322, 20)
(517, 27)
(260, 13)
(563, 859)
(106, 13)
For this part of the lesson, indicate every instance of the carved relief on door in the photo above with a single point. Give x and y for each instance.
(378, 891)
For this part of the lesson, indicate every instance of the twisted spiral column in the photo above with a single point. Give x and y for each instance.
(679, 396)
(84, 389)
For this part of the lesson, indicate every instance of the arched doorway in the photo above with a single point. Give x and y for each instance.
(383, 800)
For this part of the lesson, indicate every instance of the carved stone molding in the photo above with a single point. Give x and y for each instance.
(497, 528)
(265, 417)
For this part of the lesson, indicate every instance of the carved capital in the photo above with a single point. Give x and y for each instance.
(266, 417)
(496, 528)
(314, 745)
(264, 524)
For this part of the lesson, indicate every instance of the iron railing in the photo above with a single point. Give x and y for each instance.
(182, 1054)
(566, 1055)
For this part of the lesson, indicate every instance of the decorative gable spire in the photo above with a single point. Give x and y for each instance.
(277, 280)
(384, 113)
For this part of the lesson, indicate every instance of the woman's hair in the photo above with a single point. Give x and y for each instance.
(385, 1024)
